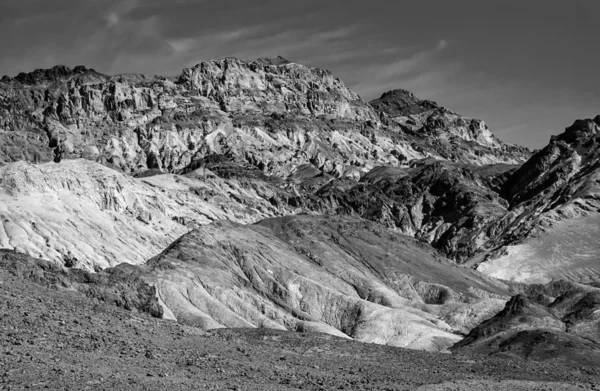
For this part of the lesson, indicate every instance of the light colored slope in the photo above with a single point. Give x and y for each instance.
(570, 250)
(84, 210)
(225, 275)
(228, 275)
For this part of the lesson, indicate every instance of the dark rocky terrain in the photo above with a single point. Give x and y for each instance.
(556, 321)
(245, 199)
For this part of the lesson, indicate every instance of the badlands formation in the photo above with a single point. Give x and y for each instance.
(266, 194)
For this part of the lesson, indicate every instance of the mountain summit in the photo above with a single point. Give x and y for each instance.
(401, 103)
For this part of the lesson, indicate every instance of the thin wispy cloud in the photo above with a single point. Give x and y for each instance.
(183, 45)
(417, 70)
(335, 34)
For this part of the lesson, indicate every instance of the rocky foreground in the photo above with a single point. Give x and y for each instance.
(57, 338)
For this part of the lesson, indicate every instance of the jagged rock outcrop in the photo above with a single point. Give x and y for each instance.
(563, 172)
(121, 286)
(274, 87)
(449, 205)
(402, 103)
(558, 321)
(265, 113)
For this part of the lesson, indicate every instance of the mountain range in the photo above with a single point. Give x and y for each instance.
(266, 194)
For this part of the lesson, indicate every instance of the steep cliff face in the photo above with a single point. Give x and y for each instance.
(567, 163)
(274, 86)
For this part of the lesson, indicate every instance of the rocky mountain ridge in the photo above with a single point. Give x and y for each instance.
(273, 116)
(267, 194)
(271, 113)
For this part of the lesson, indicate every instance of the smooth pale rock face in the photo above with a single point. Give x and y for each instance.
(343, 276)
(81, 210)
(568, 249)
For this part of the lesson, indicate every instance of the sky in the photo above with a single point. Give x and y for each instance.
(528, 68)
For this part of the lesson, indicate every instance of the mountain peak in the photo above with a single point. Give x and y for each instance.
(581, 127)
(400, 102)
(275, 60)
(399, 92)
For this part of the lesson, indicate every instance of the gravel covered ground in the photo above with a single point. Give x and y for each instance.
(62, 340)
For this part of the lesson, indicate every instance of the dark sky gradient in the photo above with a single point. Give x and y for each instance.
(529, 68)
